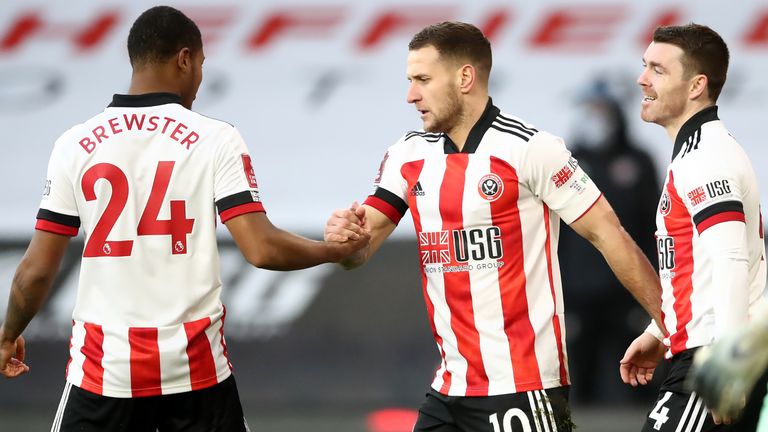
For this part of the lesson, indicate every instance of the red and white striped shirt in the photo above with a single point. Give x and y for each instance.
(145, 178)
(709, 181)
(487, 223)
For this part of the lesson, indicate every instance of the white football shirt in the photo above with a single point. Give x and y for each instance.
(144, 179)
(709, 181)
(487, 222)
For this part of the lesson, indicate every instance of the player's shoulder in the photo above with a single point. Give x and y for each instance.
(514, 127)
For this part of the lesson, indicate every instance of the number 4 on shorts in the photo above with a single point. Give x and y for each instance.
(659, 413)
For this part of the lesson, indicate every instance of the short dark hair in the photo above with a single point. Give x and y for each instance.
(704, 52)
(457, 41)
(159, 33)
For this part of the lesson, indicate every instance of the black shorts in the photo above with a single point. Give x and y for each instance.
(677, 409)
(215, 408)
(534, 411)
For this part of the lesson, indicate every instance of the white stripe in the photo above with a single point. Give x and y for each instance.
(75, 370)
(174, 363)
(60, 410)
(542, 411)
(694, 413)
(533, 411)
(116, 381)
(685, 413)
(551, 411)
(486, 295)
(703, 417)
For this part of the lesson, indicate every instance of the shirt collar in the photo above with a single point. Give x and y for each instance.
(693, 124)
(476, 133)
(144, 100)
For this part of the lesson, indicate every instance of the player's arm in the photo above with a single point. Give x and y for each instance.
(345, 222)
(268, 247)
(726, 245)
(31, 283)
(602, 228)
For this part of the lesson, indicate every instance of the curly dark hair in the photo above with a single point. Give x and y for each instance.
(159, 33)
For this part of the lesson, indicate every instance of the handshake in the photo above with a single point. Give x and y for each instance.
(350, 229)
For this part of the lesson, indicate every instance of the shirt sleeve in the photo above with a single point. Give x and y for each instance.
(58, 212)
(556, 178)
(712, 192)
(390, 188)
(236, 191)
(726, 244)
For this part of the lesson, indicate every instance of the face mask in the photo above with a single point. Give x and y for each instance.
(591, 129)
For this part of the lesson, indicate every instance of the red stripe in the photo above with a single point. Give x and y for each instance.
(202, 368)
(56, 228)
(679, 226)
(555, 317)
(720, 217)
(384, 207)
(93, 350)
(223, 341)
(411, 172)
(512, 281)
(145, 361)
(254, 207)
(458, 294)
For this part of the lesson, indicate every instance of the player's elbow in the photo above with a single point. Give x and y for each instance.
(261, 258)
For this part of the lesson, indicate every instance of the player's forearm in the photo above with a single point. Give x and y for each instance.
(634, 271)
(356, 259)
(283, 250)
(28, 292)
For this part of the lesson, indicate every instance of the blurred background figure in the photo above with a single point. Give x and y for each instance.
(602, 316)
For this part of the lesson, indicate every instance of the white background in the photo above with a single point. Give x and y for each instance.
(315, 145)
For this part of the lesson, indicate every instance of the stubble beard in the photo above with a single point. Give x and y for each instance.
(452, 113)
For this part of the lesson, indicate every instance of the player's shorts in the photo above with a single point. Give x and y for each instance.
(676, 409)
(216, 408)
(532, 411)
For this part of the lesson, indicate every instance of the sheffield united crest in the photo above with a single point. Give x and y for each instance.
(490, 187)
(665, 205)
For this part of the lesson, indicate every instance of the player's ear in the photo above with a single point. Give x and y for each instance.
(467, 77)
(698, 87)
(184, 59)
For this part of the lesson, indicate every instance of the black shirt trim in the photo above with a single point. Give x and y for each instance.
(476, 133)
(235, 200)
(61, 219)
(391, 199)
(144, 100)
(692, 125)
(721, 207)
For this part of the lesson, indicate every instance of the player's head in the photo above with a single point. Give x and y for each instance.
(446, 62)
(163, 37)
(685, 66)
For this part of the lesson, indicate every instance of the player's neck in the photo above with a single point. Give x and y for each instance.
(153, 80)
(673, 128)
(472, 112)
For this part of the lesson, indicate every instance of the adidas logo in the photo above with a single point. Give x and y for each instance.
(417, 190)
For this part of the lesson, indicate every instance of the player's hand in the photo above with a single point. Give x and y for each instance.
(12, 358)
(725, 373)
(640, 360)
(346, 224)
